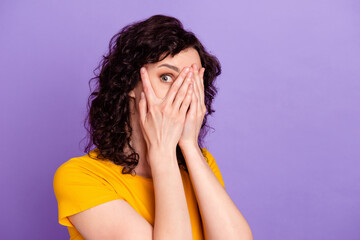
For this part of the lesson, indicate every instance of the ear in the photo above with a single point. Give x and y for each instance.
(132, 93)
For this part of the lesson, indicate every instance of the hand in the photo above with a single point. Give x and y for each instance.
(197, 111)
(162, 120)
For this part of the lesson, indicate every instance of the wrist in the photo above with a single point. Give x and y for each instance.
(158, 153)
(188, 145)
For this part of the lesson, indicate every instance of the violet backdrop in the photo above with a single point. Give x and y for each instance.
(287, 135)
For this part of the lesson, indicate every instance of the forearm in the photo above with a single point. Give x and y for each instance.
(172, 219)
(220, 216)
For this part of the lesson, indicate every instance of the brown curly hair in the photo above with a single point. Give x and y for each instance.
(108, 119)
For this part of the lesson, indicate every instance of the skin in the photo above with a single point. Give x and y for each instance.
(158, 123)
(161, 79)
(215, 204)
(160, 120)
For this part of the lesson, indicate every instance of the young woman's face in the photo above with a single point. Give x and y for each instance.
(163, 74)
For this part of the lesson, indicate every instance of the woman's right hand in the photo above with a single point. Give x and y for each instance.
(162, 120)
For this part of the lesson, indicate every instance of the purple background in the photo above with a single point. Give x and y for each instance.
(287, 133)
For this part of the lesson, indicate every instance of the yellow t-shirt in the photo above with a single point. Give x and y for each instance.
(83, 182)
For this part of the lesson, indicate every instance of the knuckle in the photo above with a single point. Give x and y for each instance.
(165, 110)
(176, 85)
(182, 94)
(182, 76)
(178, 120)
(175, 118)
(151, 108)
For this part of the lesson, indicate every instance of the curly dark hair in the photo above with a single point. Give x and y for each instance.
(108, 105)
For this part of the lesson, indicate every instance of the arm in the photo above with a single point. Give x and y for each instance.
(215, 204)
(118, 220)
(161, 128)
(172, 219)
(96, 211)
(161, 122)
(113, 220)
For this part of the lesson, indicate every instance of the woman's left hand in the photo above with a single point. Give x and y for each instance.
(195, 115)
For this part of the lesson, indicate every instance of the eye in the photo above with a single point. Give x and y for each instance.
(166, 77)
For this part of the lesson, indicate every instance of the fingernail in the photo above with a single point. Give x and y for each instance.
(187, 69)
(142, 70)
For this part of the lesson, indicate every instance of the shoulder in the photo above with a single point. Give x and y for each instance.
(82, 183)
(87, 162)
(73, 166)
(69, 168)
(81, 170)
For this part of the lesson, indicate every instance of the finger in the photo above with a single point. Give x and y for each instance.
(200, 83)
(202, 88)
(196, 70)
(197, 78)
(197, 96)
(182, 91)
(199, 72)
(185, 104)
(169, 98)
(148, 90)
(193, 107)
(202, 71)
(197, 87)
(142, 107)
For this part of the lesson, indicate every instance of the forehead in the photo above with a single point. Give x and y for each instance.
(183, 59)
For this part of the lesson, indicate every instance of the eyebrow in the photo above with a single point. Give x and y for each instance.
(169, 66)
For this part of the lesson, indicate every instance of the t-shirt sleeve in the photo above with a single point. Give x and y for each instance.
(212, 163)
(77, 189)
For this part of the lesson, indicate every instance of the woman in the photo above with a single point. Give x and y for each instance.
(151, 123)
